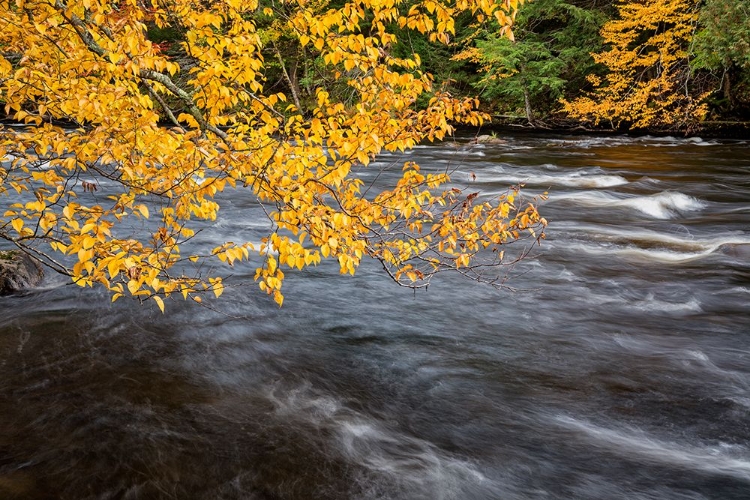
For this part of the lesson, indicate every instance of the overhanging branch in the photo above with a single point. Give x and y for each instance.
(82, 30)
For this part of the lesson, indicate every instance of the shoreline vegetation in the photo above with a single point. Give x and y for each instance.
(714, 129)
(648, 66)
(500, 124)
(607, 66)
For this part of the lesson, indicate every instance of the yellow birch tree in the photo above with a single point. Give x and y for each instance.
(648, 62)
(172, 132)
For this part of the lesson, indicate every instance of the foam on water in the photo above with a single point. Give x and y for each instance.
(650, 304)
(645, 245)
(416, 465)
(664, 205)
(685, 242)
(302, 401)
(633, 442)
(735, 384)
(697, 141)
(580, 180)
(645, 141)
(742, 401)
(641, 254)
(635, 234)
(399, 461)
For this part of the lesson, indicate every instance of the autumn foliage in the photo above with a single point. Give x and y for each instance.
(647, 83)
(168, 130)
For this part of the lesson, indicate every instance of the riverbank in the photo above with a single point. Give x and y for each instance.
(709, 129)
(501, 124)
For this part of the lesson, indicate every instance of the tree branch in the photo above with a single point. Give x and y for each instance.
(84, 34)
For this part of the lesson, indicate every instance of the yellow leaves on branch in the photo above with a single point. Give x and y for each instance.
(158, 132)
(648, 68)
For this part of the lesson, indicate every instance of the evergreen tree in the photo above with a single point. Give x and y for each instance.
(722, 47)
(549, 58)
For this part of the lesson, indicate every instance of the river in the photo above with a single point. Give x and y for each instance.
(619, 369)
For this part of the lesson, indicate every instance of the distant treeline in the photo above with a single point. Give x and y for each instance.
(645, 64)
(655, 65)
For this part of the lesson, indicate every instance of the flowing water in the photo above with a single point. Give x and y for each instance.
(619, 370)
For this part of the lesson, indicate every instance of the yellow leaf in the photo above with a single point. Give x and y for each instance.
(88, 242)
(189, 119)
(159, 302)
(113, 267)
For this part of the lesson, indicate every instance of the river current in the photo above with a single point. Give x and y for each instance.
(618, 369)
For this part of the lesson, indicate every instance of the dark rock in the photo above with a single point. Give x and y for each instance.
(18, 271)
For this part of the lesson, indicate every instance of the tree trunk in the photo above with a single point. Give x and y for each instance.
(292, 84)
(726, 85)
(527, 104)
(526, 96)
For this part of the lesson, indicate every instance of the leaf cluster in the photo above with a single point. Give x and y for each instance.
(175, 102)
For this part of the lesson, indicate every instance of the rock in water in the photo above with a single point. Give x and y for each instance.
(18, 271)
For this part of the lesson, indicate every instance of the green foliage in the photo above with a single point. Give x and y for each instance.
(723, 40)
(549, 59)
(519, 69)
(437, 58)
(721, 52)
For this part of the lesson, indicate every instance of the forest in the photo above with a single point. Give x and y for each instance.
(658, 65)
(647, 64)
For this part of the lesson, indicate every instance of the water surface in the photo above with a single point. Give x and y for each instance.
(620, 370)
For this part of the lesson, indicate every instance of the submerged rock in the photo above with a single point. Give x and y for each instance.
(18, 271)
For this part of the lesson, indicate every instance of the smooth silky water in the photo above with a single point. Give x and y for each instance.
(619, 369)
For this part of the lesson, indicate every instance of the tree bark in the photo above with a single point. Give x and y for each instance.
(292, 84)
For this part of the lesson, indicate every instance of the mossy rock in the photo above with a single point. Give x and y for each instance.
(18, 271)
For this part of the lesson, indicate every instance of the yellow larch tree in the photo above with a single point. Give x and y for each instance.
(102, 103)
(647, 84)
